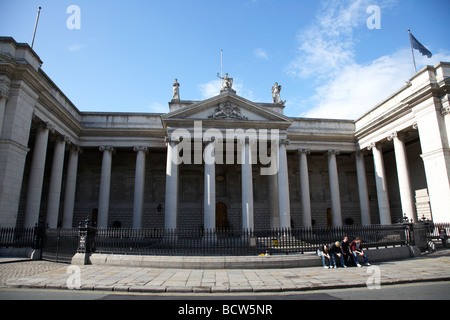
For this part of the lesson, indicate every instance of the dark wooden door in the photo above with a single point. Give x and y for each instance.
(221, 215)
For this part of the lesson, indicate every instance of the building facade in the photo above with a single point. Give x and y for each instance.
(224, 162)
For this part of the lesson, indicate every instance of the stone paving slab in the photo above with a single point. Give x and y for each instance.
(157, 280)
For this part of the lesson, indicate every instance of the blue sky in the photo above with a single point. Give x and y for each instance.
(126, 54)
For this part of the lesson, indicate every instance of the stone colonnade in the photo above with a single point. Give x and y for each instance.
(278, 184)
(404, 179)
(36, 179)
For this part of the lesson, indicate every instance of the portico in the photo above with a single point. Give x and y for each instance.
(227, 130)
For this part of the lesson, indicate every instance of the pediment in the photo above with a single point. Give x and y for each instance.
(227, 109)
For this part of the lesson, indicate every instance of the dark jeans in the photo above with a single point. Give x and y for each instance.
(333, 259)
(349, 259)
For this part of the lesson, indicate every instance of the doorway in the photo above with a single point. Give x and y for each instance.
(94, 218)
(221, 215)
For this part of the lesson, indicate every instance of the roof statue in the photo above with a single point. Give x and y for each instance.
(176, 90)
(227, 84)
(276, 89)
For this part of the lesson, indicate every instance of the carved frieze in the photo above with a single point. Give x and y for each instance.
(227, 111)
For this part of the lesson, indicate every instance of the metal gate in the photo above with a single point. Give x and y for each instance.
(59, 245)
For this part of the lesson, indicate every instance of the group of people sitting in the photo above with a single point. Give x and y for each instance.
(348, 253)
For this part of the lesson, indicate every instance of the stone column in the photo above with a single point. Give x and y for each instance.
(105, 186)
(434, 129)
(139, 187)
(362, 189)
(381, 183)
(34, 192)
(16, 114)
(283, 186)
(304, 188)
(171, 207)
(404, 180)
(274, 202)
(3, 99)
(446, 113)
(209, 205)
(54, 193)
(71, 185)
(247, 185)
(334, 188)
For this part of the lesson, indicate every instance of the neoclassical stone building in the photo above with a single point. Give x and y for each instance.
(205, 164)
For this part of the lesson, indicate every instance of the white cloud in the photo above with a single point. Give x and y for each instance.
(328, 43)
(358, 88)
(77, 47)
(326, 53)
(210, 89)
(261, 54)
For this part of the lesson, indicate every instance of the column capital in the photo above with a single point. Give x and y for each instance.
(75, 148)
(46, 125)
(4, 95)
(285, 142)
(140, 148)
(171, 140)
(106, 148)
(360, 153)
(392, 136)
(397, 134)
(306, 151)
(332, 151)
(374, 145)
(63, 138)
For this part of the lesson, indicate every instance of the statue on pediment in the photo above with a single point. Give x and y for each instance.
(227, 83)
(176, 90)
(276, 89)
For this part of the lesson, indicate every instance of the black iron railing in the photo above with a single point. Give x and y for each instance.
(245, 242)
(60, 245)
(18, 237)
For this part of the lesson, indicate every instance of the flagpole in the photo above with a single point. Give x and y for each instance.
(412, 51)
(35, 26)
(221, 63)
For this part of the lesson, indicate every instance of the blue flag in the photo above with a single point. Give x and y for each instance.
(418, 46)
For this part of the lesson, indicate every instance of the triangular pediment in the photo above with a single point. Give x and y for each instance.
(224, 110)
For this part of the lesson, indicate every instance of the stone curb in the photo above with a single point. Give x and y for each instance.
(222, 289)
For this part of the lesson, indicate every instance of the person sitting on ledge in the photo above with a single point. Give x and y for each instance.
(348, 257)
(324, 253)
(356, 249)
(335, 250)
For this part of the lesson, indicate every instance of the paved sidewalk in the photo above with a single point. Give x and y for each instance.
(14, 268)
(432, 267)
